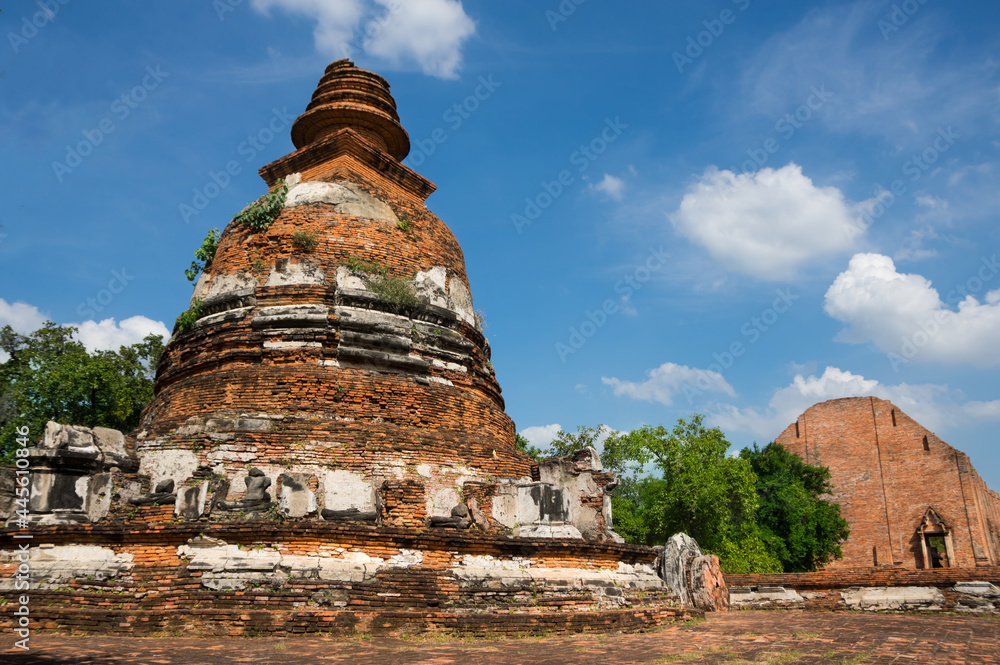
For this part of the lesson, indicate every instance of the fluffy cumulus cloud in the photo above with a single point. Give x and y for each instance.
(430, 33)
(542, 435)
(107, 335)
(904, 316)
(20, 316)
(933, 406)
(667, 381)
(769, 223)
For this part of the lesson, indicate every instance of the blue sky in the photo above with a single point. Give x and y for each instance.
(735, 208)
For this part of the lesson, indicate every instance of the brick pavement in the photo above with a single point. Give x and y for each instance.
(733, 638)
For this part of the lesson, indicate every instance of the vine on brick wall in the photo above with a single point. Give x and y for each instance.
(203, 255)
(260, 214)
(189, 316)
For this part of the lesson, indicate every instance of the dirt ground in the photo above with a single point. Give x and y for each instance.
(732, 638)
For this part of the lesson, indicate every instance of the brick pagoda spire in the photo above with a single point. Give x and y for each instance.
(344, 333)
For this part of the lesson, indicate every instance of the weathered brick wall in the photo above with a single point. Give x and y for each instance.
(887, 470)
(164, 591)
(839, 578)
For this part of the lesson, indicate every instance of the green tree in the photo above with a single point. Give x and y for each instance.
(564, 443)
(803, 529)
(522, 445)
(697, 488)
(51, 376)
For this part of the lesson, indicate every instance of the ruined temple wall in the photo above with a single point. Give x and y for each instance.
(984, 516)
(840, 437)
(887, 470)
(920, 471)
(256, 578)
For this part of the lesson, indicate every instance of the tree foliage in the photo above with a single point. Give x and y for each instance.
(683, 480)
(522, 445)
(564, 443)
(51, 376)
(802, 528)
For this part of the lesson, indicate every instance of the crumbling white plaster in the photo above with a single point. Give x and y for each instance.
(893, 598)
(441, 501)
(296, 274)
(230, 567)
(547, 531)
(176, 465)
(228, 452)
(291, 315)
(461, 301)
(52, 565)
(297, 502)
(346, 198)
(505, 506)
(344, 490)
(514, 573)
(452, 367)
(281, 346)
(747, 597)
(235, 284)
(433, 285)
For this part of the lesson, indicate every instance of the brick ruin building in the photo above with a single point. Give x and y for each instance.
(327, 448)
(905, 493)
(924, 526)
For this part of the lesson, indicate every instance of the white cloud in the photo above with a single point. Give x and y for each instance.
(541, 436)
(610, 186)
(767, 224)
(431, 32)
(933, 406)
(336, 20)
(983, 410)
(904, 316)
(109, 336)
(22, 317)
(428, 32)
(104, 336)
(669, 379)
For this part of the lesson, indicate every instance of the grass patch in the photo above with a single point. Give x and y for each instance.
(305, 241)
(398, 294)
(770, 658)
(694, 623)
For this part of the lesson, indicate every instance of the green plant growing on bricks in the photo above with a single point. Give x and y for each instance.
(188, 317)
(393, 291)
(260, 214)
(305, 240)
(203, 255)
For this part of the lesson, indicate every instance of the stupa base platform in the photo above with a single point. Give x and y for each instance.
(290, 577)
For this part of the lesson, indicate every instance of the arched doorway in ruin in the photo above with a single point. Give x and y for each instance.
(935, 541)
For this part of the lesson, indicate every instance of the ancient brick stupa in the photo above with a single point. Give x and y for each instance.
(327, 448)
